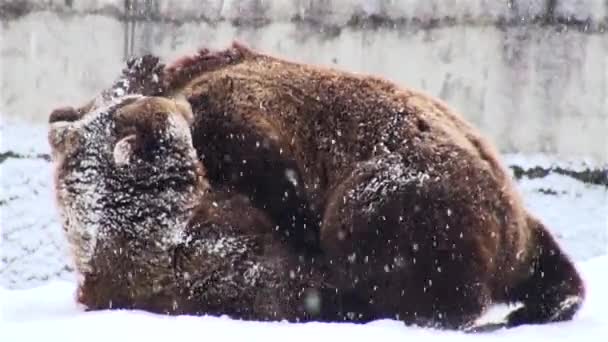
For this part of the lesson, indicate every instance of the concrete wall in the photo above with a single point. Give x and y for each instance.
(532, 74)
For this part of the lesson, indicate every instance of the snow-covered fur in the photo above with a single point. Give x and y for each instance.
(147, 231)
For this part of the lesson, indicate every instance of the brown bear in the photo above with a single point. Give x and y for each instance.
(147, 230)
(416, 216)
(405, 202)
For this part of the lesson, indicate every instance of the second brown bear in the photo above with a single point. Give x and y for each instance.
(408, 203)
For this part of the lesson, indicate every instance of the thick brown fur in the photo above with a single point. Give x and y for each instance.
(408, 203)
(405, 202)
(148, 232)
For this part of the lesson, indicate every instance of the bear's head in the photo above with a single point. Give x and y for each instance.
(125, 173)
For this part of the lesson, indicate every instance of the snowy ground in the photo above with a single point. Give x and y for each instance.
(48, 313)
(33, 260)
(33, 246)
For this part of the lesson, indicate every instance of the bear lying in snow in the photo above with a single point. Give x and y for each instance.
(405, 203)
(148, 232)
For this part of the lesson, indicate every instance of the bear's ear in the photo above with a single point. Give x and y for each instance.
(123, 150)
(140, 130)
(68, 114)
(148, 124)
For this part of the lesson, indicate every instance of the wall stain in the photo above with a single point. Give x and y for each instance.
(138, 11)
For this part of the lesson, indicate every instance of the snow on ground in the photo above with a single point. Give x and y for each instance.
(48, 313)
(577, 214)
(33, 258)
(33, 246)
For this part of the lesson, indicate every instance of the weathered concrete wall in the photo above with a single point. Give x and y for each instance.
(532, 74)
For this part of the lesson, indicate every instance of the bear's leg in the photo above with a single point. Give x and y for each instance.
(393, 235)
(554, 291)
